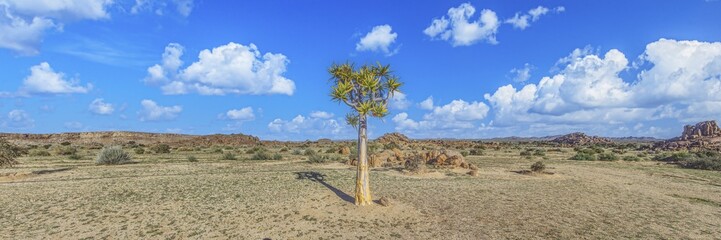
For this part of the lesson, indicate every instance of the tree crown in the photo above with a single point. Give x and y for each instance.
(366, 89)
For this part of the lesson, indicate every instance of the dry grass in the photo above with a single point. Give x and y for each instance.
(165, 196)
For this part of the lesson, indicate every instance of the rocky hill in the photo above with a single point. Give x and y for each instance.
(396, 138)
(702, 135)
(579, 138)
(120, 137)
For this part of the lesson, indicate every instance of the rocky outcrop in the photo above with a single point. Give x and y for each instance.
(705, 129)
(579, 138)
(394, 138)
(703, 135)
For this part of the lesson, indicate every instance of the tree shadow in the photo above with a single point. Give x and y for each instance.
(320, 178)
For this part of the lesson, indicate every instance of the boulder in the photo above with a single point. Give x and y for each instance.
(579, 138)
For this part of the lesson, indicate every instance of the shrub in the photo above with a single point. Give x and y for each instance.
(139, 150)
(309, 152)
(255, 150)
(475, 152)
(538, 167)
(415, 165)
(65, 150)
(583, 156)
(39, 153)
(706, 160)
(265, 155)
(285, 149)
(297, 152)
(330, 150)
(8, 153)
(113, 155)
(161, 148)
(75, 156)
(47, 146)
(631, 158)
(607, 157)
(228, 156)
(318, 159)
(192, 159)
(66, 143)
(464, 153)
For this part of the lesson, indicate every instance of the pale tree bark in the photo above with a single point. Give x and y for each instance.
(362, 189)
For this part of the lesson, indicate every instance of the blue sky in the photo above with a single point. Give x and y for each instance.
(472, 69)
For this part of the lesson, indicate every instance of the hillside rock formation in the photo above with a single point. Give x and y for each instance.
(702, 135)
(579, 138)
(395, 138)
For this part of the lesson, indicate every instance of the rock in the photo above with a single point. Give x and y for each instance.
(579, 138)
(701, 130)
(344, 150)
(704, 135)
(397, 139)
(383, 201)
(324, 141)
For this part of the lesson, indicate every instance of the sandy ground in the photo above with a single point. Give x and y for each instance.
(168, 198)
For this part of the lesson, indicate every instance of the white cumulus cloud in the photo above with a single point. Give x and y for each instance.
(44, 80)
(321, 115)
(399, 101)
(522, 21)
(228, 69)
(683, 83)
(378, 40)
(151, 111)
(458, 29)
(19, 119)
(100, 107)
(243, 114)
(455, 116)
(24, 22)
(427, 104)
(522, 74)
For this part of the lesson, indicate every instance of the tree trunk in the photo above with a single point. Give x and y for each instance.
(362, 188)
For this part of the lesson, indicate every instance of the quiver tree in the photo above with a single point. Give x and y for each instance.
(366, 91)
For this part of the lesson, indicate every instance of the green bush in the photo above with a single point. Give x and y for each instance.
(75, 156)
(192, 159)
(139, 150)
(228, 156)
(297, 152)
(8, 153)
(113, 155)
(607, 157)
(161, 148)
(475, 152)
(309, 152)
(65, 150)
(631, 158)
(584, 156)
(265, 155)
(39, 153)
(318, 159)
(538, 167)
(706, 160)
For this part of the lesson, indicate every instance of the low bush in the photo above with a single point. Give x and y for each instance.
(607, 157)
(318, 159)
(8, 153)
(75, 156)
(584, 156)
(65, 150)
(415, 165)
(631, 158)
(309, 152)
(39, 153)
(113, 155)
(161, 148)
(228, 156)
(538, 167)
(297, 152)
(475, 152)
(192, 159)
(706, 160)
(139, 150)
